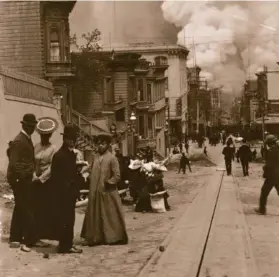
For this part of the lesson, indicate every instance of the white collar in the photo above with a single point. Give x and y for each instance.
(22, 131)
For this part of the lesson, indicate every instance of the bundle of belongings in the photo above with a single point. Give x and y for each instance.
(147, 187)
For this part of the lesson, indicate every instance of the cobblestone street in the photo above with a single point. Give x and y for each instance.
(146, 232)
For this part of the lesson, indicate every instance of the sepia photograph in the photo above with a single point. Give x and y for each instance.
(139, 138)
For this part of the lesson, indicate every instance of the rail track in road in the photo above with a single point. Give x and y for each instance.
(211, 239)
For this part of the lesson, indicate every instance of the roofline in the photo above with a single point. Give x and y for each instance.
(146, 49)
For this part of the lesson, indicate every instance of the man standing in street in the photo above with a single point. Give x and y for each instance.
(19, 175)
(64, 178)
(228, 153)
(183, 162)
(245, 154)
(270, 172)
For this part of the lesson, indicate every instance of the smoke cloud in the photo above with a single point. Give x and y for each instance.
(229, 40)
(122, 22)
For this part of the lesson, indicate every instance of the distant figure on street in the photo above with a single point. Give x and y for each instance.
(184, 161)
(254, 155)
(205, 150)
(245, 155)
(228, 156)
(187, 146)
(270, 172)
(180, 147)
(149, 154)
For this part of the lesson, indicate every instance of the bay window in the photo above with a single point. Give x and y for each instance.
(55, 46)
(58, 41)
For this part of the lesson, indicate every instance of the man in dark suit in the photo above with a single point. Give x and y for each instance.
(20, 172)
(64, 178)
(245, 155)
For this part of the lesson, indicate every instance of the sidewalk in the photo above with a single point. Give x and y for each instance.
(227, 252)
(264, 230)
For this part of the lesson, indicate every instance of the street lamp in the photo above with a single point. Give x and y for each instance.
(167, 138)
(133, 119)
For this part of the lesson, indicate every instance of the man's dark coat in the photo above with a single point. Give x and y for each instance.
(64, 179)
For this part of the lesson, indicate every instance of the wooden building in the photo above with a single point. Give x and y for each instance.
(138, 86)
(176, 85)
(34, 39)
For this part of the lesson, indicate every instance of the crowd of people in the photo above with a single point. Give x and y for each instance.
(45, 181)
(46, 184)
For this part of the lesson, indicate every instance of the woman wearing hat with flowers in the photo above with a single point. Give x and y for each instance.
(44, 152)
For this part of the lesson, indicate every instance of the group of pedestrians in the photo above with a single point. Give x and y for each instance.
(244, 154)
(45, 188)
(270, 168)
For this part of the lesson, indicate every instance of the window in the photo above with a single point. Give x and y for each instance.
(141, 126)
(166, 84)
(67, 43)
(150, 127)
(149, 93)
(110, 91)
(120, 115)
(54, 46)
(140, 90)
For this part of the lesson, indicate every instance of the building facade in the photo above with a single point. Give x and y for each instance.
(215, 95)
(136, 86)
(249, 109)
(176, 85)
(34, 39)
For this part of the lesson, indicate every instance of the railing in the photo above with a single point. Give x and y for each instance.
(85, 125)
(59, 67)
(26, 86)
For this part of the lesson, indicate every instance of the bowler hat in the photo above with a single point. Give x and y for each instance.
(46, 125)
(29, 119)
(70, 132)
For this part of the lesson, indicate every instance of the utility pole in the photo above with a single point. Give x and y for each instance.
(263, 120)
(198, 113)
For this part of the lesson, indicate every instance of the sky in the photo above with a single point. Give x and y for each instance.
(229, 40)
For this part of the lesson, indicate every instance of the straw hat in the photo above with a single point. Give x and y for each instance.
(46, 125)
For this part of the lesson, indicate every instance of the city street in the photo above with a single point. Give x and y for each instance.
(233, 243)
(146, 232)
(263, 229)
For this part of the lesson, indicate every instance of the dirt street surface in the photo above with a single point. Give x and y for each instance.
(146, 232)
(264, 230)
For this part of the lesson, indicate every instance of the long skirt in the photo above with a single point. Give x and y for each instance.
(144, 203)
(104, 220)
(45, 213)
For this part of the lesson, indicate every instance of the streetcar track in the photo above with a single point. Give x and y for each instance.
(210, 227)
(199, 265)
(146, 269)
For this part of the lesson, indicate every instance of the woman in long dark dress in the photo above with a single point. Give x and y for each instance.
(44, 152)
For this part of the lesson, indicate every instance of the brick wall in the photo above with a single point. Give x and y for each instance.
(21, 36)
